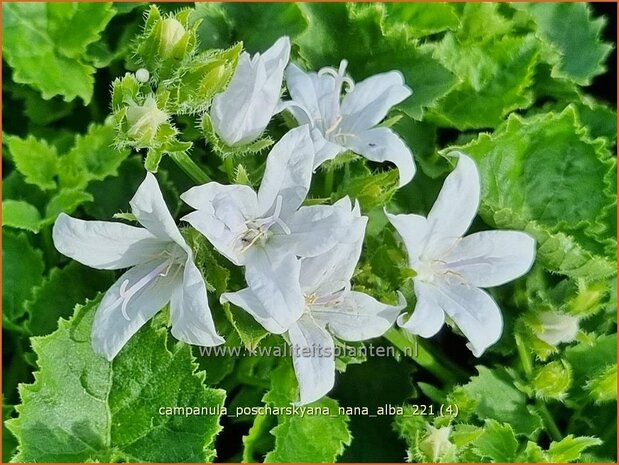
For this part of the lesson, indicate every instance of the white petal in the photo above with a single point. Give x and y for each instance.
(314, 230)
(474, 312)
(247, 300)
(313, 357)
(455, 207)
(103, 244)
(359, 316)
(371, 99)
(382, 144)
(221, 215)
(275, 283)
(413, 229)
(192, 321)
(152, 212)
(111, 330)
(316, 95)
(332, 271)
(242, 112)
(325, 150)
(288, 172)
(492, 258)
(428, 317)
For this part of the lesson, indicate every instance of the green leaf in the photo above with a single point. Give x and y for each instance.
(525, 167)
(492, 395)
(371, 190)
(370, 48)
(259, 25)
(65, 201)
(39, 110)
(9, 443)
(570, 448)
(22, 270)
(44, 46)
(74, 26)
(92, 158)
(589, 361)
(20, 214)
(35, 159)
(579, 53)
(497, 442)
(495, 77)
(250, 331)
(310, 438)
(214, 30)
(94, 410)
(84, 283)
(423, 19)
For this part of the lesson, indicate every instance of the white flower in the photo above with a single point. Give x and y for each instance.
(329, 309)
(162, 271)
(349, 124)
(267, 231)
(451, 268)
(242, 112)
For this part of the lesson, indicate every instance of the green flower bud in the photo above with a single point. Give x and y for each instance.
(144, 121)
(552, 380)
(172, 32)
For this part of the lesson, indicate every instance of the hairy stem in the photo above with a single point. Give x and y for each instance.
(184, 161)
(416, 350)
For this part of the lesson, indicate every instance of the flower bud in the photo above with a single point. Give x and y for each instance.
(144, 120)
(172, 32)
(556, 328)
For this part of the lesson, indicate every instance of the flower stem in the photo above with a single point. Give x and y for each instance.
(229, 166)
(549, 423)
(184, 161)
(328, 187)
(450, 375)
(527, 366)
(525, 359)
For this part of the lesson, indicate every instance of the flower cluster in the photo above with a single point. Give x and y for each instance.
(298, 259)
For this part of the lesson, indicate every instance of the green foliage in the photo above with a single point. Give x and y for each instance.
(524, 166)
(312, 438)
(45, 45)
(94, 410)
(66, 176)
(22, 270)
(576, 57)
(514, 85)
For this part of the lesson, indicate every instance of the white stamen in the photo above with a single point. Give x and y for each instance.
(127, 294)
(258, 228)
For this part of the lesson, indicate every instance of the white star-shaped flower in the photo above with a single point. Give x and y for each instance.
(349, 123)
(329, 309)
(267, 231)
(241, 113)
(161, 271)
(451, 269)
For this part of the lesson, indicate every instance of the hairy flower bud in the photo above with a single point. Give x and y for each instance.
(557, 328)
(144, 120)
(172, 32)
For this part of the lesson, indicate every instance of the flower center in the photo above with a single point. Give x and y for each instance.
(332, 129)
(257, 232)
(328, 300)
(429, 270)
